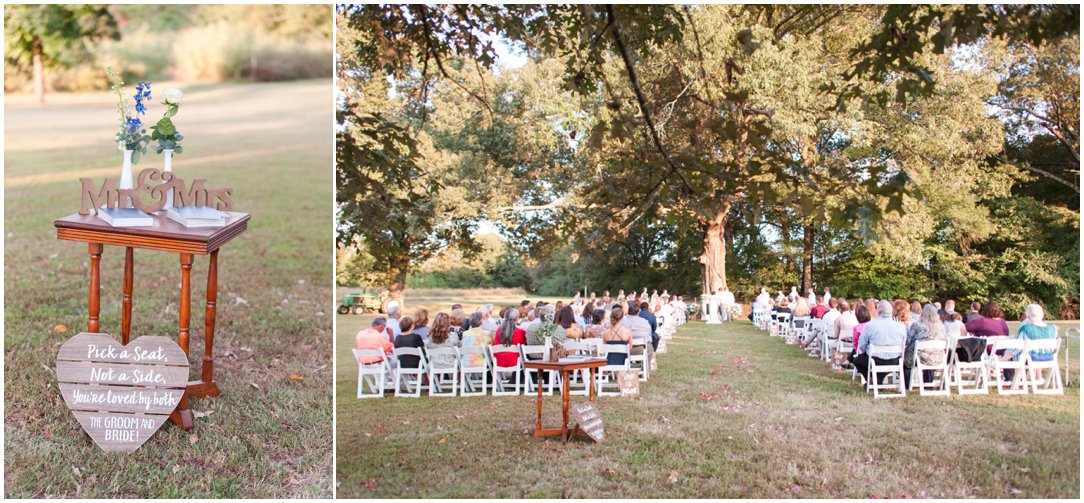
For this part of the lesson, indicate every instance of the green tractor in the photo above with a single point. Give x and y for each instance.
(361, 303)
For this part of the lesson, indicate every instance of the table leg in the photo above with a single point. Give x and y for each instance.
(564, 405)
(208, 367)
(591, 392)
(94, 300)
(126, 299)
(538, 425)
(182, 416)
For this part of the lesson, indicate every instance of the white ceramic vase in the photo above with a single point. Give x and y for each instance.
(126, 178)
(167, 167)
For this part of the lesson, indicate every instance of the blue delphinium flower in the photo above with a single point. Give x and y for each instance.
(143, 93)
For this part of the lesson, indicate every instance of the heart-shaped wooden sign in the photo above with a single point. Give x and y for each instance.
(121, 394)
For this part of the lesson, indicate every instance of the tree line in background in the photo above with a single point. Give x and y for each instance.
(891, 151)
(65, 47)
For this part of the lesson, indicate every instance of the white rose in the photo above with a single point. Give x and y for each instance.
(174, 96)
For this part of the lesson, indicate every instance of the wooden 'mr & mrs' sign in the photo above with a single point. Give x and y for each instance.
(156, 184)
(121, 394)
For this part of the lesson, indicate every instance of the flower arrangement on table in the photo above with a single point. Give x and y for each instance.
(132, 135)
(164, 131)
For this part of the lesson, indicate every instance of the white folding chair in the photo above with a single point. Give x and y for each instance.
(796, 332)
(969, 377)
(537, 352)
(377, 372)
(1044, 375)
(1019, 383)
(939, 386)
(439, 373)
(606, 383)
(782, 324)
(893, 371)
(468, 373)
(594, 345)
(516, 370)
(402, 374)
(641, 363)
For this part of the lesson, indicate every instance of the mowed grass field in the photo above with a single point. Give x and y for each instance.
(731, 412)
(269, 434)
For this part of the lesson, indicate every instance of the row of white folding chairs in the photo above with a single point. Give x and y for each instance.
(1041, 376)
(385, 372)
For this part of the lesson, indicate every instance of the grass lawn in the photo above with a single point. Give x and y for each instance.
(267, 435)
(780, 425)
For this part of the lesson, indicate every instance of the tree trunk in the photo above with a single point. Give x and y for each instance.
(39, 73)
(785, 231)
(807, 258)
(397, 277)
(713, 257)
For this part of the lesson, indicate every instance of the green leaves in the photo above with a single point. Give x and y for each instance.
(164, 127)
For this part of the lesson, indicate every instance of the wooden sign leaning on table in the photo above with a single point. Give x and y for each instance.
(121, 394)
(194, 195)
(589, 420)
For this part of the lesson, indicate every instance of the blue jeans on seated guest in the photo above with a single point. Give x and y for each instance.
(654, 341)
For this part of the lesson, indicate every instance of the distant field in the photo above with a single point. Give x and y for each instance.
(268, 435)
(780, 425)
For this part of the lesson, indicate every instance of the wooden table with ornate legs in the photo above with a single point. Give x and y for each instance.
(168, 236)
(590, 364)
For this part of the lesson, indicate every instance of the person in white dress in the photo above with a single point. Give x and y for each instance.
(827, 296)
(793, 295)
(713, 308)
(811, 297)
(727, 301)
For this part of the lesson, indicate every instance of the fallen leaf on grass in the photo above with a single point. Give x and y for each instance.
(60, 328)
(441, 441)
(673, 476)
(199, 415)
(295, 377)
(367, 434)
(254, 385)
(192, 439)
(370, 484)
(176, 468)
(77, 471)
(46, 367)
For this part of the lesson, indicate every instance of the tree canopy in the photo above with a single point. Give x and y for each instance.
(794, 144)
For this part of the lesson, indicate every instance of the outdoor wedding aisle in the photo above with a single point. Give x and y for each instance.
(731, 412)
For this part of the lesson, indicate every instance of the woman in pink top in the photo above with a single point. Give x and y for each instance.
(861, 313)
(509, 335)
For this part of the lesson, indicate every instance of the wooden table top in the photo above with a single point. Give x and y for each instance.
(577, 365)
(164, 235)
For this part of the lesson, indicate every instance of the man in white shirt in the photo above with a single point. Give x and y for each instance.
(827, 296)
(727, 300)
(489, 325)
(829, 326)
(394, 313)
(812, 297)
(883, 331)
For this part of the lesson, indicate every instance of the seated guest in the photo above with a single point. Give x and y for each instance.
(1032, 328)
(545, 327)
(901, 311)
(916, 309)
(801, 307)
(950, 308)
(460, 324)
(645, 313)
(509, 335)
(408, 339)
(394, 313)
(819, 309)
(829, 316)
(595, 329)
(861, 315)
(974, 314)
(524, 308)
(883, 331)
(374, 337)
(567, 320)
(845, 323)
(584, 318)
(991, 323)
(928, 327)
(441, 336)
(474, 337)
(421, 320)
(782, 306)
(638, 327)
(954, 327)
(489, 325)
(617, 334)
